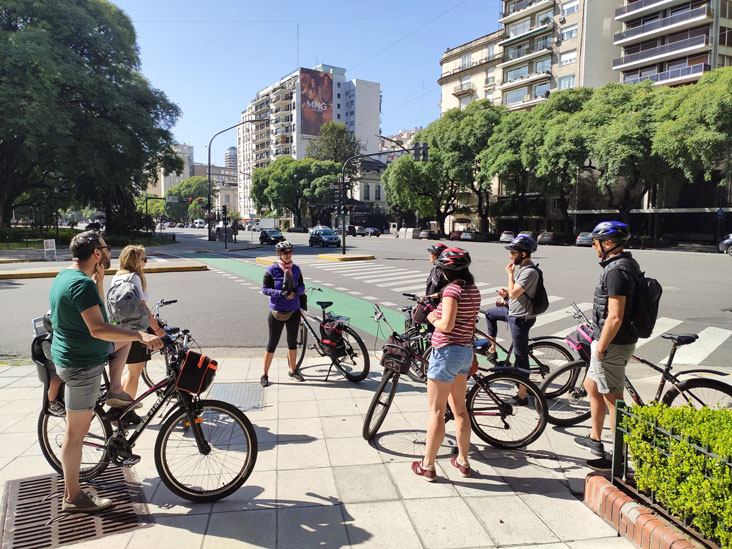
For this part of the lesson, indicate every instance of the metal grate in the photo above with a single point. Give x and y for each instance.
(32, 517)
(245, 396)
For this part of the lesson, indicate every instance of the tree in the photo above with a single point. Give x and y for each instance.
(76, 116)
(194, 187)
(336, 144)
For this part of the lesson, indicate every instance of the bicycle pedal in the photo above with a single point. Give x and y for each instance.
(133, 459)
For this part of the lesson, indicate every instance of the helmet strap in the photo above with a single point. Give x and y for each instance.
(606, 254)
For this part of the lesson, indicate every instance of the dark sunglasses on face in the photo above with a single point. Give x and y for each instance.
(103, 247)
(288, 252)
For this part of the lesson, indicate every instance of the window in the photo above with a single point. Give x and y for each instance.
(566, 82)
(367, 192)
(228, 199)
(569, 32)
(339, 84)
(545, 17)
(515, 96)
(519, 28)
(466, 60)
(543, 65)
(377, 193)
(490, 76)
(567, 57)
(464, 102)
(570, 7)
(541, 89)
(515, 74)
(339, 105)
(339, 117)
(491, 53)
(339, 96)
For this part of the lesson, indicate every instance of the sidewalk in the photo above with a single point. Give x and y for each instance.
(318, 483)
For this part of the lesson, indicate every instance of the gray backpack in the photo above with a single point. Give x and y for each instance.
(125, 305)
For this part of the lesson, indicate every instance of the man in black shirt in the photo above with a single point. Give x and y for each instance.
(615, 337)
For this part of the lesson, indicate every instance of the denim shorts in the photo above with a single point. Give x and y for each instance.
(449, 361)
(82, 387)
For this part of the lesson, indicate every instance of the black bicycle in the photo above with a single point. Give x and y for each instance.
(569, 404)
(205, 449)
(352, 361)
(497, 416)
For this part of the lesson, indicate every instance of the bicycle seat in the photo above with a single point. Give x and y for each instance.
(171, 331)
(324, 304)
(481, 345)
(681, 339)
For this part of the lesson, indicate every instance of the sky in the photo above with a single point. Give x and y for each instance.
(211, 57)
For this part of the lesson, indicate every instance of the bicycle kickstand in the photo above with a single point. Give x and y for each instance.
(329, 369)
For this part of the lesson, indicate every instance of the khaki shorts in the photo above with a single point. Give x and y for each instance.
(609, 373)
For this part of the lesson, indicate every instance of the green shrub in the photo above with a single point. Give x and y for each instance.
(695, 487)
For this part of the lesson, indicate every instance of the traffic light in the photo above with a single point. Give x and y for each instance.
(419, 152)
(223, 210)
(337, 196)
(190, 200)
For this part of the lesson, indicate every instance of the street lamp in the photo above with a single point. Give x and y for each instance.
(208, 206)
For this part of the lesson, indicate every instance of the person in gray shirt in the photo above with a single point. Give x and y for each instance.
(515, 306)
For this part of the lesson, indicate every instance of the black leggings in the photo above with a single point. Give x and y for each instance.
(275, 331)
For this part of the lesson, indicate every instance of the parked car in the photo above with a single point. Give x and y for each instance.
(297, 229)
(270, 236)
(532, 234)
(323, 237)
(199, 224)
(474, 236)
(429, 235)
(372, 231)
(456, 235)
(506, 237)
(180, 225)
(319, 227)
(725, 245)
(584, 239)
(350, 230)
(256, 227)
(551, 237)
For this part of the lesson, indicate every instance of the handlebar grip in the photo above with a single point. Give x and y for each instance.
(411, 296)
(170, 302)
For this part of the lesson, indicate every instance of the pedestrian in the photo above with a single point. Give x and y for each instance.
(284, 285)
(450, 361)
(517, 309)
(132, 261)
(81, 345)
(234, 228)
(614, 335)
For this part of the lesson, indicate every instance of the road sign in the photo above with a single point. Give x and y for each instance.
(48, 247)
(171, 199)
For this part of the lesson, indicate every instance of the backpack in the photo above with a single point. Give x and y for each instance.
(540, 301)
(331, 334)
(646, 299)
(125, 305)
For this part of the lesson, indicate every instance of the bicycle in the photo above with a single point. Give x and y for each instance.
(491, 401)
(204, 451)
(568, 402)
(353, 362)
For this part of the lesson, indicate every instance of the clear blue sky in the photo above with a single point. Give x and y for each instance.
(211, 57)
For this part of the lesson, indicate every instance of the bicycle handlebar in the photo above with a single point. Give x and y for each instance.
(313, 289)
(578, 314)
(412, 297)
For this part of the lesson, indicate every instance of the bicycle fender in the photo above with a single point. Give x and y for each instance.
(703, 371)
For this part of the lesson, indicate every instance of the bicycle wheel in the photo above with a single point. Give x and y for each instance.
(302, 343)
(355, 363)
(712, 393)
(223, 468)
(380, 404)
(418, 369)
(545, 357)
(495, 416)
(94, 458)
(566, 397)
(156, 369)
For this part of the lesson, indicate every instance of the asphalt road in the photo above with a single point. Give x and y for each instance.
(224, 307)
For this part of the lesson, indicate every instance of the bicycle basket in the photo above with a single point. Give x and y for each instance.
(580, 341)
(396, 355)
(196, 373)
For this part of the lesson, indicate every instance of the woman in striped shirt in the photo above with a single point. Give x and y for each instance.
(450, 361)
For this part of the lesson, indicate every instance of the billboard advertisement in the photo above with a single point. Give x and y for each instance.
(316, 100)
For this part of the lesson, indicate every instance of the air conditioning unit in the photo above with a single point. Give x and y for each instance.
(562, 20)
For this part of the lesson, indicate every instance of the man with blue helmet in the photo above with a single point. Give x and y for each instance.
(517, 308)
(615, 337)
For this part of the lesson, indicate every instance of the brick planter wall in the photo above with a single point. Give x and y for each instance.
(637, 523)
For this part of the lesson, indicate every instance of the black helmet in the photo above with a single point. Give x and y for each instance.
(523, 243)
(611, 230)
(437, 249)
(284, 245)
(453, 259)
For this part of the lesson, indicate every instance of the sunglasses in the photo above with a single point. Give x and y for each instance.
(287, 252)
(144, 259)
(103, 247)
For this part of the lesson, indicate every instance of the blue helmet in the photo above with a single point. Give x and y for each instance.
(611, 230)
(523, 243)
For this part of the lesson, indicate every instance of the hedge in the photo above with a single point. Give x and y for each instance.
(682, 456)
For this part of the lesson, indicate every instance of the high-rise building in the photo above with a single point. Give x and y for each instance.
(672, 41)
(230, 158)
(285, 116)
(165, 182)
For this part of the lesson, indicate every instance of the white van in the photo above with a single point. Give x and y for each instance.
(199, 224)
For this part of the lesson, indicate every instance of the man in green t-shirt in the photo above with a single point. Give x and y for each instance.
(82, 342)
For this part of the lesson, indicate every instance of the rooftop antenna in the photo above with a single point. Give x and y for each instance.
(298, 43)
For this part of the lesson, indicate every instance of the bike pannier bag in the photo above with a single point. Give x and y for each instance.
(580, 341)
(540, 300)
(196, 373)
(125, 305)
(331, 334)
(396, 355)
(421, 310)
(646, 299)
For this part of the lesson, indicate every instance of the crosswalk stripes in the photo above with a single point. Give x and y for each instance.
(709, 339)
(663, 325)
(405, 288)
(561, 314)
(398, 272)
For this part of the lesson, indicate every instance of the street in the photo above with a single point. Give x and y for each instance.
(224, 307)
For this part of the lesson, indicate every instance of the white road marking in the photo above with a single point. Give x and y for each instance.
(326, 284)
(404, 281)
(492, 299)
(381, 272)
(663, 325)
(388, 304)
(355, 293)
(561, 314)
(709, 339)
(341, 288)
(340, 267)
(555, 298)
(370, 297)
(408, 274)
(403, 288)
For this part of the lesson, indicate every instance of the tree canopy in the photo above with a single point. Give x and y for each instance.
(337, 144)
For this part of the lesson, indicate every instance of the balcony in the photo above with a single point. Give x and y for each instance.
(525, 54)
(462, 68)
(533, 77)
(490, 81)
(666, 25)
(642, 7)
(661, 53)
(534, 31)
(464, 89)
(675, 76)
(522, 9)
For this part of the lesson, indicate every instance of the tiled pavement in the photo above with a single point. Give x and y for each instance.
(317, 483)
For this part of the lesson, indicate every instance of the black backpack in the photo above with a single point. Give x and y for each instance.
(646, 299)
(331, 334)
(540, 301)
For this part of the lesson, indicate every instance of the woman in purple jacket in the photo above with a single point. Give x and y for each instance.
(284, 285)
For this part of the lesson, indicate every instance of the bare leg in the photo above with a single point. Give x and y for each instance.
(292, 358)
(462, 419)
(77, 426)
(117, 365)
(267, 361)
(53, 385)
(597, 409)
(131, 378)
(437, 393)
(610, 400)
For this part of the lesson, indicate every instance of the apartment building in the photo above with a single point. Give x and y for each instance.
(672, 42)
(164, 182)
(230, 158)
(283, 117)
(405, 137)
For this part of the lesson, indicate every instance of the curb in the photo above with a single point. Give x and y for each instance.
(326, 257)
(629, 518)
(51, 273)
